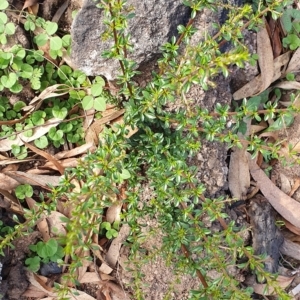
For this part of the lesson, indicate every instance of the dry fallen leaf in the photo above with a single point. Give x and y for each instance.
(57, 226)
(105, 268)
(33, 179)
(295, 291)
(113, 212)
(294, 64)
(290, 249)
(90, 277)
(55, 90)
(76, 151)
(238, 174)
(10, 203)
(113, 253)
(42, 224)
(66, 163)
(265, 60)
(288, 85)
(38, 282)
(46, 155)
(263, 289)
(6, 144)
(282, 203)
(8, 183)
(285, 184)
(81, 270)
(250, 89)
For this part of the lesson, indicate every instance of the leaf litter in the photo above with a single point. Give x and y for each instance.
(273, 72)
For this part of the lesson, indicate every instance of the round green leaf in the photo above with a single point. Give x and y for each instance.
(96, 89)
(59, 113)
(100, 80)
(38, 117)
(38, 55)
(87, 102)
(66, 40)
(29, 25)
(3, 4)
(16, 88)
(42, 142)
(33, 263)
(26, 71)
(11, 114)
(21, 53)
(73, 138)
(19, 105)
(41, 39)
(55, 135)
(55, 43)
(10, 80)
(100, 103)
(3, 17)
(51, 246)
(125, 174)
(3, 39)
(2, 28)
(24, 190)
(10, 28)
(66, 127)
(51, 27)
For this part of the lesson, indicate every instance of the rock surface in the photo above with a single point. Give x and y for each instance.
(154, 24)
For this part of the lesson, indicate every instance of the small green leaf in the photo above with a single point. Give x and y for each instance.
(10, 80)
(253, 103)
(125, 174)
(100, 103)
(24, 190)
(286, 21)
(29, 132)
(29, 25)
(41, 39)
(19, 105)
(105, 225)
(48, 249)
(38, 117)
(51, 27)
(3, 18)
(21, 53)
(96, 89)
(290, 77)
(87, 102)
(55, 135)
(41, 142)
(3, 4)
(63, 71)
(59, 113)
(26, 71)
(73, 137)
(55, 43)
(10, 28)
(16, 88)
(66, 40)
(33, 263)
(66, 127)
(3, 39)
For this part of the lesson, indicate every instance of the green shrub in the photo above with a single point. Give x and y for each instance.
(158, 152)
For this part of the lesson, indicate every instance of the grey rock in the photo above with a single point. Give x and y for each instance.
(154, 24)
